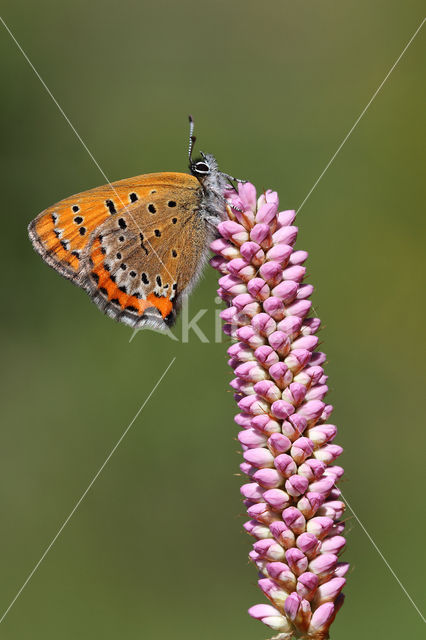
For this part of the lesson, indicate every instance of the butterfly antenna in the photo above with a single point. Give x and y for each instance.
(192, 138)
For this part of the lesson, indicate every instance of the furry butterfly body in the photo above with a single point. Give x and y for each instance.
(138, 245)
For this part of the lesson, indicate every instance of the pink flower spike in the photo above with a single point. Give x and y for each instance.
(288, 444)
(294, 519)
(280, 253)
(296, 485)
(286, 291)
(295, 273)
(285, 235)
(252, 491)
(321, 620)
(275, 307)
(258, 288)
(329, 591)
(259, 611)
(269, 550)
(272, 618)
(335, 544)
(281, 573)
(268, 478)
(259, 457)
(268, 196)
(308, 544)
(296, 560)
(276, 594)
(298, 257)
(323, 564)
(262, 513)
(271, 272)
(247, 195)
(251, 438)
(285, 465)
(286, 218)
(278, 443)
(266, 213)
(261, 234)
(292, 605)
(307, 584)
(252, 252)
(342, 569)
(282, 534)
(277, 499)
(319, 526)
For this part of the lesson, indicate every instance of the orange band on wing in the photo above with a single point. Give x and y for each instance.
(164, 305)
(110, 289)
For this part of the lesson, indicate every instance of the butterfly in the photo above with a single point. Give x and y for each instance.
(138, 245)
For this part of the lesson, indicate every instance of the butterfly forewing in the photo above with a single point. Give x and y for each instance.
(61, 232)
(135, 245)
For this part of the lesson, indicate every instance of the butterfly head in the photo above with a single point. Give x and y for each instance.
(202, 168)
(205, 169)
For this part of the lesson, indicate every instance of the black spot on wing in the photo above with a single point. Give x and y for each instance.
(141, 236)
(110, 206)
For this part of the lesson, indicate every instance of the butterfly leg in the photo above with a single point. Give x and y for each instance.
(226, 202)
(232, 179)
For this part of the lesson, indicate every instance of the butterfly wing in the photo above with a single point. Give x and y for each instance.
(61, 233)
(138, 277)
(150, 221)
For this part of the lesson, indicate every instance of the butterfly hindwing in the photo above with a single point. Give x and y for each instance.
(138, 265)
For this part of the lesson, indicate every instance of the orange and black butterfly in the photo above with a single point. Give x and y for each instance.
(138, 245)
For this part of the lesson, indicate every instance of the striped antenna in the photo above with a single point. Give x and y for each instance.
(192, 138)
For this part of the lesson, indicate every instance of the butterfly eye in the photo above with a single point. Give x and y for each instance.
(202, 168)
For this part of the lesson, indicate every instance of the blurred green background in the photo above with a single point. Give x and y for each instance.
(156, 549)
